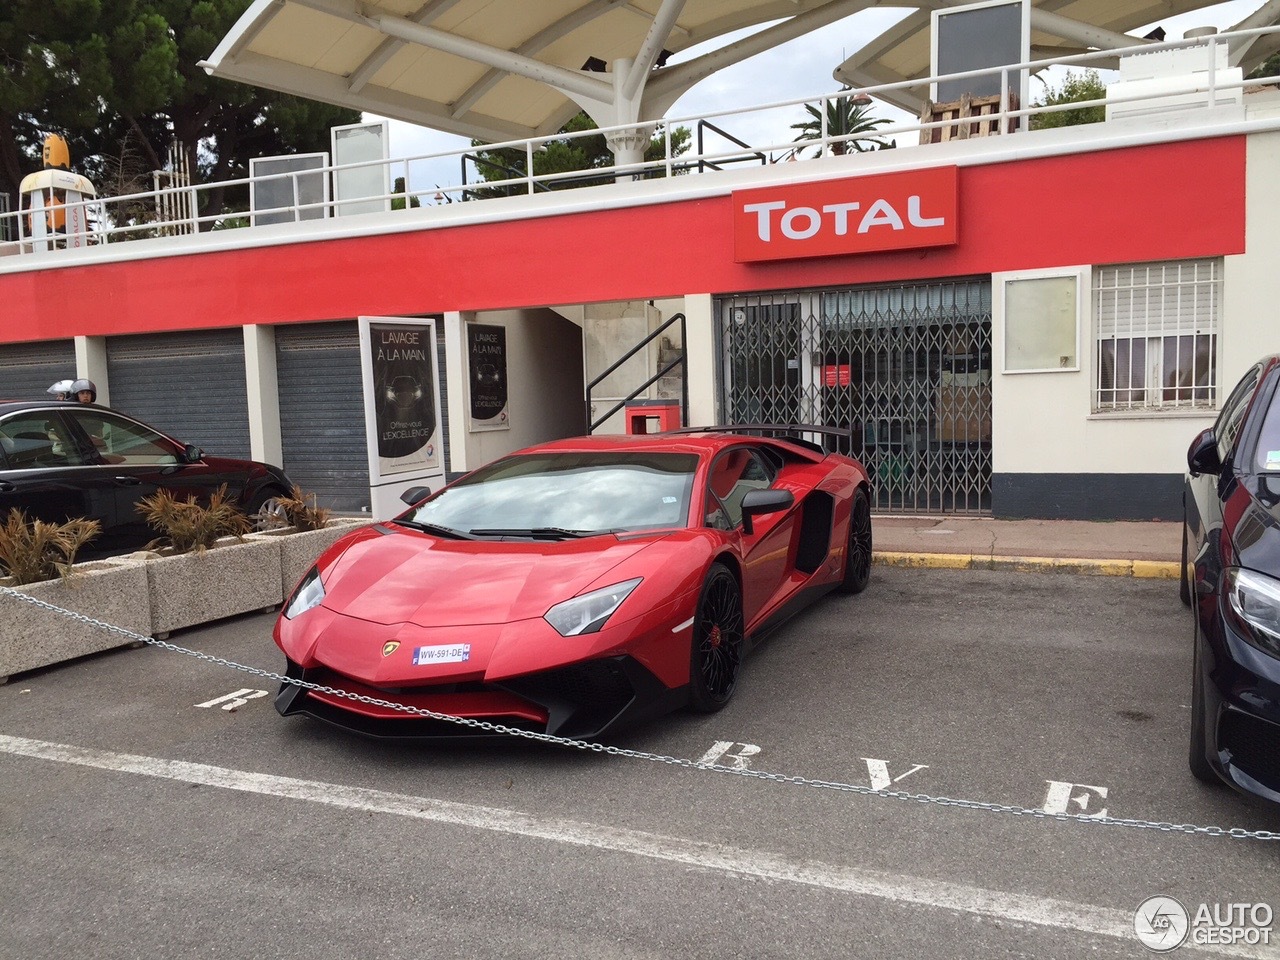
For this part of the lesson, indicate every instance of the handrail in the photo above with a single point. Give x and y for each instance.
(679, 361)
(504, 187)
(704, 164)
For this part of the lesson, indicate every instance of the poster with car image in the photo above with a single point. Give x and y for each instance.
(401, 358)
(487, 359)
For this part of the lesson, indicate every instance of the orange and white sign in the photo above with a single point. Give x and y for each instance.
(895, 211)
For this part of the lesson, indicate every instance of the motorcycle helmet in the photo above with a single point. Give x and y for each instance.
(60, 390)
(80, 386)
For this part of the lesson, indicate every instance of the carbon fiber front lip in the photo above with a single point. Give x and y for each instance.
(645, 697)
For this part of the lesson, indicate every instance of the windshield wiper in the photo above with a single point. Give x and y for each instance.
(536, 533)
(435, 528)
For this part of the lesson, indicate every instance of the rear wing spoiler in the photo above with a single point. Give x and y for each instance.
(786, 431)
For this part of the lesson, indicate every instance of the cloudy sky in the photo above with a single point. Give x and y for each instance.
(798, 69)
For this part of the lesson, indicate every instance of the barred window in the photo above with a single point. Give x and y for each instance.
(1157, 335)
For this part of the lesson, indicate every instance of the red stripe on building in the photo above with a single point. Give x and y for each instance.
(1167, 201)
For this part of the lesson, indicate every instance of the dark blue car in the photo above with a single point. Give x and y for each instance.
(1231, 580)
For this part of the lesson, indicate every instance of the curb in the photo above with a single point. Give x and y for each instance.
(1146, 569)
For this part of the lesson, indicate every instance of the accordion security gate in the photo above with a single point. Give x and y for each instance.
(906, 367)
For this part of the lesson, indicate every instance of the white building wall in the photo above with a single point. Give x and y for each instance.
(702, 358)
(91, 364)
(1252, 280)
(1043, 423)
(544, 386)
(263, 393)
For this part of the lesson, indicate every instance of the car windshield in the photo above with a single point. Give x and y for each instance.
(1267, 454)
(566, 494)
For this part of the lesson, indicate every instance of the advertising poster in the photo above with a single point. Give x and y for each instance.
(404, 397)
(487, 359)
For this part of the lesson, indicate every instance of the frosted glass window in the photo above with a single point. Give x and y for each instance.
(1041, 324)
(367, 145)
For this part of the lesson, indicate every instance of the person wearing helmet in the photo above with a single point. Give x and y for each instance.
(84, 391)
(60, 390)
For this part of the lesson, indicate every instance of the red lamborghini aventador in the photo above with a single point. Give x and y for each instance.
(575, 585)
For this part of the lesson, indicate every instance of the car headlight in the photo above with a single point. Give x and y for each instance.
(1253, 604)
(309, 594)
(589, 612)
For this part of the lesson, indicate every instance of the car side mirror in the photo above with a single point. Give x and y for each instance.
(1202, 455)
(764, 501)
(191, 453)
(414, 494)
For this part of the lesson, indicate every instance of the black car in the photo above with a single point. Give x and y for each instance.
(64, 460)
(1231, 538)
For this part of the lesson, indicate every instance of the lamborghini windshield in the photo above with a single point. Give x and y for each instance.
(564, 495)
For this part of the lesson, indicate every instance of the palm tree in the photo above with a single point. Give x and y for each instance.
(848, 118)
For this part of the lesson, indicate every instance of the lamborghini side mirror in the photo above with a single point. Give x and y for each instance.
(764, 501)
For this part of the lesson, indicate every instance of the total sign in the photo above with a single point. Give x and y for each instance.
(895, 211)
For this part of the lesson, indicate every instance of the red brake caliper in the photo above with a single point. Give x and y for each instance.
(714, 637)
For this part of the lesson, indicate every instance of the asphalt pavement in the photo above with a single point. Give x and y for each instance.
(921, 770)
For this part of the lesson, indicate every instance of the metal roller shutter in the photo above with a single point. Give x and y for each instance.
(27, 369)
(322, 412)
(189, 385)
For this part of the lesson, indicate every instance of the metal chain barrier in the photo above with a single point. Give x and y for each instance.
(1238, 833)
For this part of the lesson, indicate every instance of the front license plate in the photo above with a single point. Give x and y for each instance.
(446, 653)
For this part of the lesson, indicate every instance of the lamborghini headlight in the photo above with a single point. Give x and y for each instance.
(589, 612)
(1253, 605)
(309, 594)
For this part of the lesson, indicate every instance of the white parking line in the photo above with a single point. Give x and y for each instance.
(1019, 908)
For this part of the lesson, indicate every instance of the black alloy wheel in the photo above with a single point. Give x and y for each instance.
(857, 565)
(1200, 768)
(717, 646)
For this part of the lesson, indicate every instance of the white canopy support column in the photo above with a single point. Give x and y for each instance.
(609, 105)
(1265, 16)
(1081, 33)
(629, 80)
(628, 145)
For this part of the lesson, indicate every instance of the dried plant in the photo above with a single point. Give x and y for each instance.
(302, 511)
(32, 550)
(188, 525)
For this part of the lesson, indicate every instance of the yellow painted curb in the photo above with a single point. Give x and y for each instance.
(1154, 569)
(948, 561)
(1157, 570)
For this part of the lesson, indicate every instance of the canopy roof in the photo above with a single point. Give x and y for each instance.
(511, 69)
(1059, 28)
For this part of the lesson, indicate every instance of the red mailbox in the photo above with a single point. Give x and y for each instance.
(652, 416)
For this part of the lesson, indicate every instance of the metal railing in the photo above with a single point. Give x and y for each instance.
(680, 361)
(115, 219)
(750, 156)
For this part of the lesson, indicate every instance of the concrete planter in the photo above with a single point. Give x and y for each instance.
(152, 594)
(228, 579)
(299, 549)
(114, 592)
